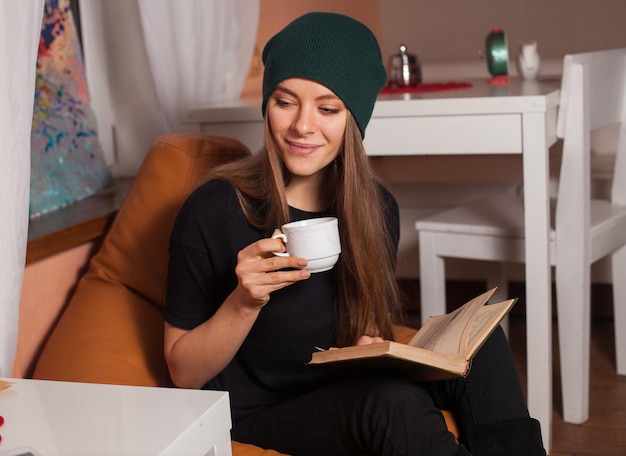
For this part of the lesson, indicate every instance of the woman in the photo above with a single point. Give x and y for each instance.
(241, 319)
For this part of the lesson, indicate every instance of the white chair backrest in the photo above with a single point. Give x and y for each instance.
(606, 76)
(593, 95)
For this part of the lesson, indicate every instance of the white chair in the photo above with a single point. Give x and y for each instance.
(593, 95)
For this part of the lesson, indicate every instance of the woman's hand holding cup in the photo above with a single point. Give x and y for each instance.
(316, 239)
(259, 272)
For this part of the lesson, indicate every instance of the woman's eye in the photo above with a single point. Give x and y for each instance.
(329, 110)
(281, 102)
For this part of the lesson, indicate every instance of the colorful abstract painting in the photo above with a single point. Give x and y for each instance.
(67, 163)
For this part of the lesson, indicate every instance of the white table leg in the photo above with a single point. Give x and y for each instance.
(432, 278)
(538, 271)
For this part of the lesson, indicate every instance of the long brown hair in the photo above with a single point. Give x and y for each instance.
(368, 300)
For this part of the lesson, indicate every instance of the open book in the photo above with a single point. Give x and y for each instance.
(442, 348)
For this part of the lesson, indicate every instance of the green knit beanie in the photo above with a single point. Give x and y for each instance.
(334, 50)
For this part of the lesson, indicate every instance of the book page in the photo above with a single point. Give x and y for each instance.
(444, 333)
(487, 318)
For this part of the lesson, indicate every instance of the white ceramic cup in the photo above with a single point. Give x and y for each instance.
(316, 239)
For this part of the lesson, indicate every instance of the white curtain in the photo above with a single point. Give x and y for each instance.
(199, 52)
(20, 29)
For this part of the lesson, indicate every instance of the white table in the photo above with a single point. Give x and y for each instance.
(62, 418)
(519, 118)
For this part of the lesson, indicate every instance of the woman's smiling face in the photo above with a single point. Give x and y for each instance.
(308, 122)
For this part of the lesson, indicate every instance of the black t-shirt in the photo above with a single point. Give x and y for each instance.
(270, 366)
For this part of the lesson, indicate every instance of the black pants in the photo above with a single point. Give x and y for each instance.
(384, 414)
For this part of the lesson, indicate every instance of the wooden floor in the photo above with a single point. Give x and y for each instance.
(604, 434)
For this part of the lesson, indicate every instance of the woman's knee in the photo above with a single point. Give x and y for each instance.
(393, 401)
(395, 393)
(402, 413)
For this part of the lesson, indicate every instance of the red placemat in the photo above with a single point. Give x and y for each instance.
(434, 87)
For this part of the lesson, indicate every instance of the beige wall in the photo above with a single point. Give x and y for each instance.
(455, 30)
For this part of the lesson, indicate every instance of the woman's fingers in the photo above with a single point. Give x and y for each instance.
(260, 272)
(260, 256)
(365, 340)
